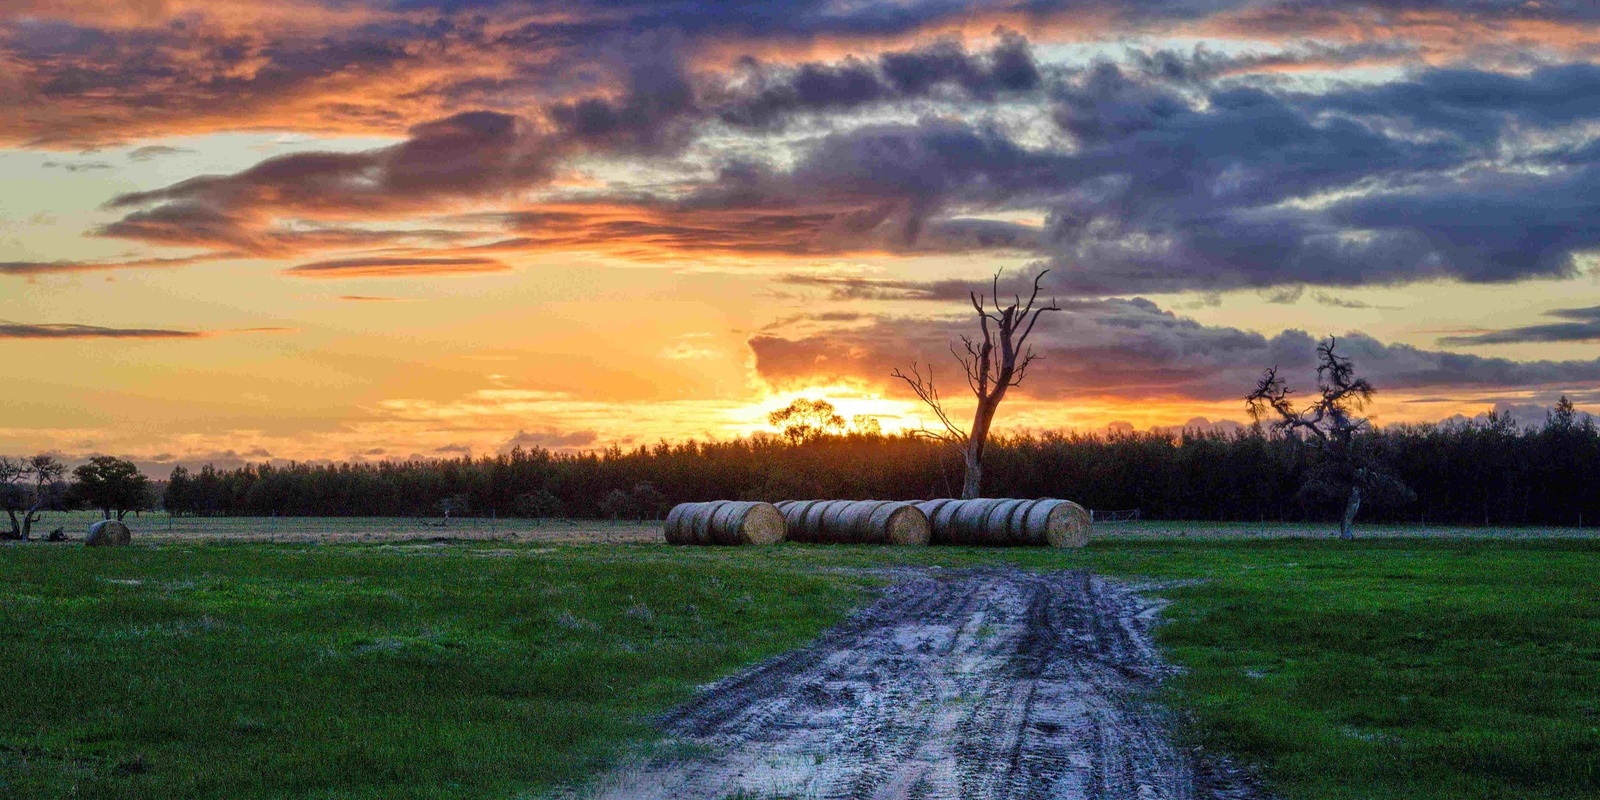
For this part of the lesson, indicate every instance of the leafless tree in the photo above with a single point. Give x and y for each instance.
(993, 364)
(1333, 424)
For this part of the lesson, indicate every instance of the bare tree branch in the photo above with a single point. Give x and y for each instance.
(928, 392)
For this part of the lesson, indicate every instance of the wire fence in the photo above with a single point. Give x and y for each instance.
(1129, 515)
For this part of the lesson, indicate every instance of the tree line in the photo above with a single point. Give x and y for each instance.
(31, 486)
(1488, 471)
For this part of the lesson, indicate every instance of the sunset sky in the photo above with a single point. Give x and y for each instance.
(310, 229)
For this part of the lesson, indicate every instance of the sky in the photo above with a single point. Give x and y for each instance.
(238, 230)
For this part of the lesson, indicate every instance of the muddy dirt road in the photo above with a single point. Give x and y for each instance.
(966, 685)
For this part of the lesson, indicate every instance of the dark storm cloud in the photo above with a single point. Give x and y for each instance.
(1169, 188)
(1132, 349)
(1473, 104)
(1183, 194)
(772, 95)
(1169, 173)
(656, 106)
(88, 71)
(1163, 189)
(1583, 325)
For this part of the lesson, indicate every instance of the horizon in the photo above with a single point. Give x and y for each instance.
(1524, 419)
(326, 231)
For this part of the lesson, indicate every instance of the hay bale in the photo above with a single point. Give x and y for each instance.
(855, 522)
(967, 522)
(1058, 523)
(108, 533)
(728, 522)
(1000, 522)
(938, 514)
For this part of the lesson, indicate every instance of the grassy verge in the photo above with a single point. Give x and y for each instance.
(1386, 669)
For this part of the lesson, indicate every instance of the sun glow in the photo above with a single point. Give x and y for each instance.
(894, 415)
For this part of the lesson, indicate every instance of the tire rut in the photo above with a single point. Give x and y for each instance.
(974, 684)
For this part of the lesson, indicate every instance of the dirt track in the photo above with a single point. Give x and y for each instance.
(967, 685)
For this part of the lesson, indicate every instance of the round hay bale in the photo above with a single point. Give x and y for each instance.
(108, 533)
(1007, 522)
(676, 528)
(998, 527)
(803, 519)
(854, 522)
(811, 519)
(968, 523)
(833, 521)
(1058, 523)
(902, 523)
(727, 522)
(938, 513)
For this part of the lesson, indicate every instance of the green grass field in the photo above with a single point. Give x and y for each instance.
(157, 527)
(1388, 669)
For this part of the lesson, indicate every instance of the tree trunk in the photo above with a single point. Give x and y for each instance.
(982, 418)
(31, 516)
(972, 485)
(16, 527)
(1347, 531)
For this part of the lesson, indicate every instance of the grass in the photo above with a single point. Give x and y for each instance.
(158, 527)
(1393, 669)
(247, 671)
(1406, 668)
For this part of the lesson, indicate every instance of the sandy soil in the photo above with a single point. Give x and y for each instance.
(970, 684)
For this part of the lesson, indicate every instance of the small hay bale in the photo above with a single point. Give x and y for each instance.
(108, 533)
(728, 522)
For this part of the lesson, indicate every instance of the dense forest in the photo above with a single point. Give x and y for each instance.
(1485, 471)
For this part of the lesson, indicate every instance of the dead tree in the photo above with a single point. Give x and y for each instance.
(993, 365)
(1333, 425)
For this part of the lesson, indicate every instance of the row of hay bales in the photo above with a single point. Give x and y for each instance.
(1000, 522)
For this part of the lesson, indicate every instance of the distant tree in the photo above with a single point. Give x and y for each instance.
(538, 505)
(616, 504)
(112, 485)
(179, 497)
(1564, 420)
(805, 419)
(30, 487)
(647, 501)
(993, 365)
(866, 424)
(1331, 422)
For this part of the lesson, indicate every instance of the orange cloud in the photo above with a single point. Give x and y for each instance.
(387, 267)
